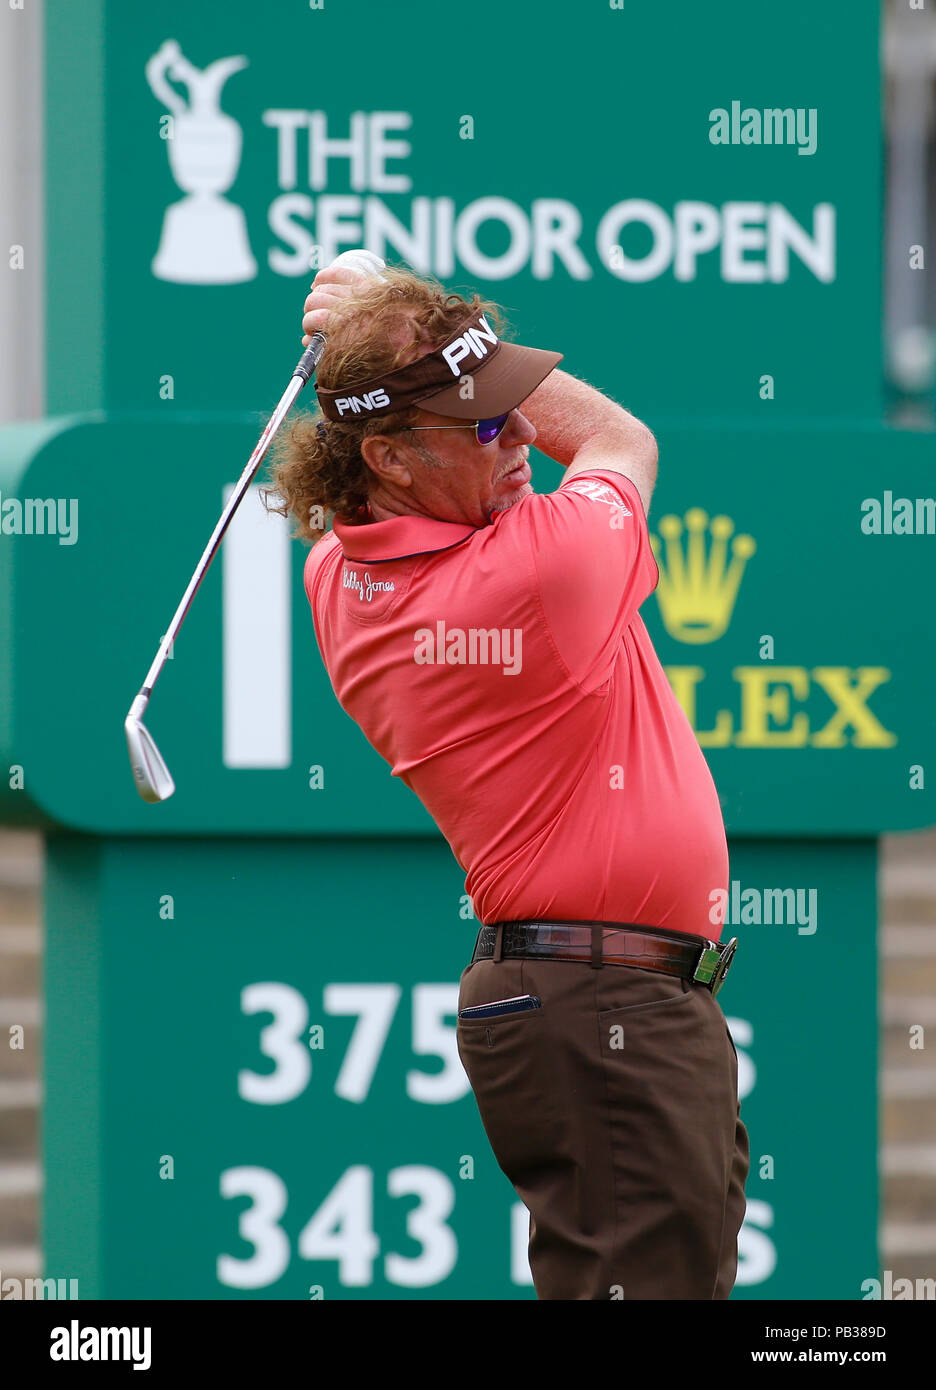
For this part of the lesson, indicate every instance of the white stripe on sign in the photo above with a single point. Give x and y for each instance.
(257, 621)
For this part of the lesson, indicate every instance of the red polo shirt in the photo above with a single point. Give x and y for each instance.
(505, 675)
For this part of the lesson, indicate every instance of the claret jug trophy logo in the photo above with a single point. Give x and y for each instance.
(204, 236)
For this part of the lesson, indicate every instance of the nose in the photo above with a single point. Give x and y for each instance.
(519, 430)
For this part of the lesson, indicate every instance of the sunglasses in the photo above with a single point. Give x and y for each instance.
(486, 431)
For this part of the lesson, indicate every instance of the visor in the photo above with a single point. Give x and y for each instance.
(502, 376)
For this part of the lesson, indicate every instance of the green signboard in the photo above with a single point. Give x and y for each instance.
(254, 1092)
(208, 154)
(815, 719)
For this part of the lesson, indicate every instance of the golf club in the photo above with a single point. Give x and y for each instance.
(153, 779)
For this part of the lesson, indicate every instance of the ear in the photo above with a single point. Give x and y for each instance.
(384, 456)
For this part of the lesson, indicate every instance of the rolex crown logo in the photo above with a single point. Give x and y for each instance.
(699, 582)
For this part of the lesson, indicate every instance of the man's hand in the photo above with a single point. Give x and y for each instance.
(329, 287)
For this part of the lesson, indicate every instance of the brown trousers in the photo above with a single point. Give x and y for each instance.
(613, 1110)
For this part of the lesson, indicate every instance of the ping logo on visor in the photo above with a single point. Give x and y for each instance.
(470, 344)
(371, 400)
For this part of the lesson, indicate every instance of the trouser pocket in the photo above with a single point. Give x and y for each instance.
(507, 1062)
(507, 1059)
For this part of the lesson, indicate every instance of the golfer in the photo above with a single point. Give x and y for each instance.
(487, 640)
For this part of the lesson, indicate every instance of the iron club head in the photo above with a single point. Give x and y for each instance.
(153, 779)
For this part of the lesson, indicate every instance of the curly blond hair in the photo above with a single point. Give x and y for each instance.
(317, 471)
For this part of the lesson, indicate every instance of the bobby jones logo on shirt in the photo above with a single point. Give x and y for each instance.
(364, 586)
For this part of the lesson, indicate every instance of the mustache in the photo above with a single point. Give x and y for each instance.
(524, 458)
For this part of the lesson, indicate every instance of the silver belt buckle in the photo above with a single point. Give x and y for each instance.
(712, 965)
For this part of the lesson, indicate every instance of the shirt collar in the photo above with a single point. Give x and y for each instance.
(399, 537)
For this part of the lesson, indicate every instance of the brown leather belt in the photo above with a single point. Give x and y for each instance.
(691, 957)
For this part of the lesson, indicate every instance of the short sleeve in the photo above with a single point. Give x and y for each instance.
(594, 567)
(315, 565)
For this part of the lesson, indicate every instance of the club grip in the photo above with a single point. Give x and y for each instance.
(305, 367)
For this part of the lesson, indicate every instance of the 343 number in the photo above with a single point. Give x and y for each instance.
(342, 1229)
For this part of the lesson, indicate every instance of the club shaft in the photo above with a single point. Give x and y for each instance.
(304, 370)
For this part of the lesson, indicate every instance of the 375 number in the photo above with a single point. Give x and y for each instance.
(374, 1006)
